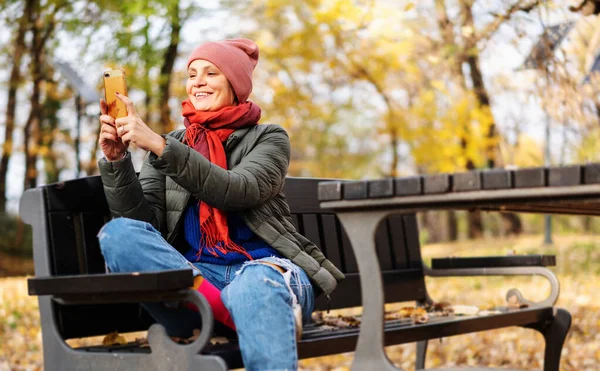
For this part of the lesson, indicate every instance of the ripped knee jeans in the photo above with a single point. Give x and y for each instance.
(259, 296)
(260, 299)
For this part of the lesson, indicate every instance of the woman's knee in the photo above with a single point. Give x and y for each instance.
(255, 282)
(115, 236)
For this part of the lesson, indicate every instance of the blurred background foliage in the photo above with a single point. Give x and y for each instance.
(366, 89)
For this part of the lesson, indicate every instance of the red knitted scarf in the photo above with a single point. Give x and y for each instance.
(206, 132)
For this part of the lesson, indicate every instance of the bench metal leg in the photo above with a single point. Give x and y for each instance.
(421, 355)
(370, 353)
(555, 335)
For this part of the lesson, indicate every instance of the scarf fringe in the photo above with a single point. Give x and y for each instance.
(212, 240)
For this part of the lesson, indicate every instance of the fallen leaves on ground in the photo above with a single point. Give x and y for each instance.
(11, 266)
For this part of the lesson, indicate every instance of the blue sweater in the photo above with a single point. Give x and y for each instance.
(238, 233)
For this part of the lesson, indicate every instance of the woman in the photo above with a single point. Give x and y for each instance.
(210, 197)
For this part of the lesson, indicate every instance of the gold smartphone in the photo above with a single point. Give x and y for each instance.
(114, 82)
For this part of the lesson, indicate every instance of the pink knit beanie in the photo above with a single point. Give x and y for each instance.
(236, 58)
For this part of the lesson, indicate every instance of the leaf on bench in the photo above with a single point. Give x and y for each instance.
(442, 308)
(219, 340)
(422, 314)
(465, 310)
(335, 322)
(417, 314)
(342, 321)
(113, 339)
(191, 339)
(142, 342)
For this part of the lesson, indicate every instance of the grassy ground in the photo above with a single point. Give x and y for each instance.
(578, 270)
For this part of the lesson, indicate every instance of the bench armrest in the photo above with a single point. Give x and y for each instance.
(494, 261)
(114, 287)
(170, 285)
(505, 271)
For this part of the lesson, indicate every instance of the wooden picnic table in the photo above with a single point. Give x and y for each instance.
(362, 205)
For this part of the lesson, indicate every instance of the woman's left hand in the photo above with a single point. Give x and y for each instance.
(132, 129)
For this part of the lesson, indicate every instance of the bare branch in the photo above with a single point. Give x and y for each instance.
(489, 30)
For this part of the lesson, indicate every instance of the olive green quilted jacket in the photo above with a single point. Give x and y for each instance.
(258, 159)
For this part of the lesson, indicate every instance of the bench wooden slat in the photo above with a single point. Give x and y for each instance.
(591, 174)
(382, 246)
(467, 181)
(303, 194)
(412, 241)
(94, 261)
(355, 190)
(497, 179)
(85, 194)
(311, 230)
(330, 191)
(76, 321)
(437, 183)
(565, 176)
(381, 188)
(396, 228)
(331, 241)
(65, 252)
(527, 178)
(349, 265)
(409, 186)
(106, 284)
(297, 223)
(494, 261)
(405, 285)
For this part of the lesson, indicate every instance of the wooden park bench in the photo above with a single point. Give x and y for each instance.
(78, 299)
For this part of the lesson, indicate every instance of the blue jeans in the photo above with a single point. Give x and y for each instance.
(259, 297)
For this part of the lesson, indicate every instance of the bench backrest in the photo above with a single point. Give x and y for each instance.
(77, 209)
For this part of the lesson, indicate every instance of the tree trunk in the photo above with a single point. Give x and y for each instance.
(587, 224)
(49, 125)
(92, 166)
(395, 155)
(41, 32)
(146, 83)
(433, 224)
(452, 221)
(31, 129)
(597, 105)
(475, 223)
(512, 221)
(164, 82)
(13, 84)
(512, 224)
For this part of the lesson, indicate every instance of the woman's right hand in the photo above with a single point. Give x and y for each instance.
(110, 143)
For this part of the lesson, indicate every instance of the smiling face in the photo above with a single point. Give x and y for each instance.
(207, 88)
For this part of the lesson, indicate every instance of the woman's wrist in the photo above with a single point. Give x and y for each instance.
(159, 145)
(118, 157)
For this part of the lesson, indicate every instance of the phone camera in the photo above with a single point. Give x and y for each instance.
(106, 74)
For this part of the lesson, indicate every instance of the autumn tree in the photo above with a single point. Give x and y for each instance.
(15, 79)
(145, 43)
